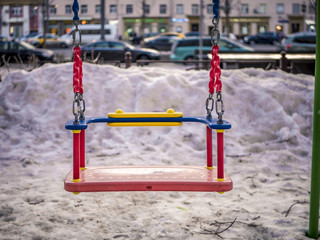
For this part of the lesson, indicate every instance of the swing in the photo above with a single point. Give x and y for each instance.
(208, 178)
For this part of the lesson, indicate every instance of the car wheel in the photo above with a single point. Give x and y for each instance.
(143, 57)
(63, 45)
(188, 59)
(252, 42)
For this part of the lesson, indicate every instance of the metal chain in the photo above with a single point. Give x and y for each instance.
(209, 106)
(215, 33)
(215, 73)
(219, 110)
(78, 105)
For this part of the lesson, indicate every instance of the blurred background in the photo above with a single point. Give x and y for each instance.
(165, 30)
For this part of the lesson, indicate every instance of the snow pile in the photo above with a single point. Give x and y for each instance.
(268, 152)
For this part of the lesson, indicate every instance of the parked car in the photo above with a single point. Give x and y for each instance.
(265, 37)
(24, 50)
(188, 48)
(164, 34)
(91, 33)
(29, 35)
(192, 34)
(115, 50)
(3, 38)
(51, 41)
(300, 42)
(137, 39)
(160, 43)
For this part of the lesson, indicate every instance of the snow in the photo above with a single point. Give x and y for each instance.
(267, 154)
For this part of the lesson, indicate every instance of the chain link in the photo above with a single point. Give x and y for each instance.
(209, 106)
(215, 33)
(76, 41)
(78, 107)
(219, 110)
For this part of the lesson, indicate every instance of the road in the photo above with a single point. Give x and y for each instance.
(66, 53)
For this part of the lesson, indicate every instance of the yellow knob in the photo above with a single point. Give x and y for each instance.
(119, 111)
(170, 110)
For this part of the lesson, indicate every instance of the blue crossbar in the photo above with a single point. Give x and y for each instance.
(211, 123)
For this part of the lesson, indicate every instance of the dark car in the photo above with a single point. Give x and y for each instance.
(160, 43)
(12, 49)
(265, 37)
(115, 50)
(300, 42)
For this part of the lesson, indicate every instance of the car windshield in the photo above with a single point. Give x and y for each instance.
(26, 45)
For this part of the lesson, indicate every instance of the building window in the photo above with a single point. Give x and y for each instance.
(280, 8)
(113, 9)
(245, 28)
(68, 9)
(146, 9)
(163, 9)
(262, 8)
(195, 9)
(53, 9)
(262, 28)
(179, 9)
(209, 9)
(34, 10)
(16, 11)
(245, 8)
(98, 9)
(296, 8)
(84, 9)
(129, 9)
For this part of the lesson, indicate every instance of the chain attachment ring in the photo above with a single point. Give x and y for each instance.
(209, 106)
(219, 110)
(76, 41)
(78, 107)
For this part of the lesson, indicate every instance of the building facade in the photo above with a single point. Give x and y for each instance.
(18, 20)
(246, 17)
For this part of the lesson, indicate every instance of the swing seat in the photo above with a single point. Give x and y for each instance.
(148, 178)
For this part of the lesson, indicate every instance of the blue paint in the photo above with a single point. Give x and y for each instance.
(215, 8)
(75, 9)
(211, 123)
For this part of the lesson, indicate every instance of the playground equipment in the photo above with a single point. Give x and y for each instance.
(315, 169)
(146, 178)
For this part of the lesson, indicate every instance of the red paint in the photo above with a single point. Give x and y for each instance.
(76, 155)
(220, 155)
(215, 72)
(77, 71)
(148, 178)
(82, 149)
(209, 147)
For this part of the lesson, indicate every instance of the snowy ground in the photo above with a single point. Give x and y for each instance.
(268, 155)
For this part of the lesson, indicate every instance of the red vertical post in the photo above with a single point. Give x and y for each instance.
(209, 148)
(82, 150)
(220, 155)
(76, 155)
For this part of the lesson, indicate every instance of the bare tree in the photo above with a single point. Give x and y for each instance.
(313, 6)
(226, 7)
